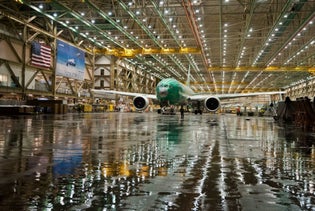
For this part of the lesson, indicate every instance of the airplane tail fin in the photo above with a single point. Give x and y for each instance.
(188, 77)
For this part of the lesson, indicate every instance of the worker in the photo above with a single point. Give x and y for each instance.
(181, 112)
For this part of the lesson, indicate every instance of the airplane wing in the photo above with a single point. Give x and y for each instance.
(108, 92)
(232, 95)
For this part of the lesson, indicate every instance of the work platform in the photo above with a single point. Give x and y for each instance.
(146, 161)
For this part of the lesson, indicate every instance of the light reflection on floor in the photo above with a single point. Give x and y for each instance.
(143, 161)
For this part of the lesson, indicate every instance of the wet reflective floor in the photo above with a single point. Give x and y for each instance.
(145, 161)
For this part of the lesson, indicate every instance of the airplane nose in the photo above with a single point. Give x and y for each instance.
(163, 92)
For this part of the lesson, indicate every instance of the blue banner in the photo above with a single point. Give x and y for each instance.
(70, 61)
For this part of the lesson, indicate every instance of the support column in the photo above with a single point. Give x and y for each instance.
(53, 56)
(112, 73)
(23, 63)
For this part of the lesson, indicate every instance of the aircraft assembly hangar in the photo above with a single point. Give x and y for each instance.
(229, 46)
(67, 149)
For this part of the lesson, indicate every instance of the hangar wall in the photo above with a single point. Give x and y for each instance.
(305, 88)
(19, 76)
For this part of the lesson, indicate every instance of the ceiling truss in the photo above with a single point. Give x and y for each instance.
(229, 46)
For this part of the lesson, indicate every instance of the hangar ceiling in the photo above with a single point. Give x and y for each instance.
(229, 46)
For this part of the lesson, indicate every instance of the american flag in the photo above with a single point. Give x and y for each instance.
(40, 55)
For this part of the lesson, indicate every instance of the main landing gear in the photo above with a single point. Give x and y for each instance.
(198, 110)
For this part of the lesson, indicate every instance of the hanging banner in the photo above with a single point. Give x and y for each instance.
(70, 61)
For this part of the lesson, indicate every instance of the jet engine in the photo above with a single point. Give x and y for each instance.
(140, 102)
(212, 104)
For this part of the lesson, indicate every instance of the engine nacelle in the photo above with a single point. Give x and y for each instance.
(140, 102)
(212, 104)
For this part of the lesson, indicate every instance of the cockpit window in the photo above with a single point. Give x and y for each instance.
(165, 85)
(168, 85)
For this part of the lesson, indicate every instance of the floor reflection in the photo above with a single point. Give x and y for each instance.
(144, 161)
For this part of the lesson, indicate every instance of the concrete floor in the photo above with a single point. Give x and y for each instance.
(146, 161)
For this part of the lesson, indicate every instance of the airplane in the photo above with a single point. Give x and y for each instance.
(170, 92)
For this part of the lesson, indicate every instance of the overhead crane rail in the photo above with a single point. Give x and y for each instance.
(266, 69)
(218, 83)
(145, 51)
(226, 90)
(130, 53)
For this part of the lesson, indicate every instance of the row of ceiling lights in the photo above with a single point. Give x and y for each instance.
(273, 35)
(289, 45)
(256, 60)
(116, 37)
(172, 57)
(261, 53)
(86, 35)
(174, 26)
(243, 52)
(190, 58)
(277, 30)
(279, 27)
